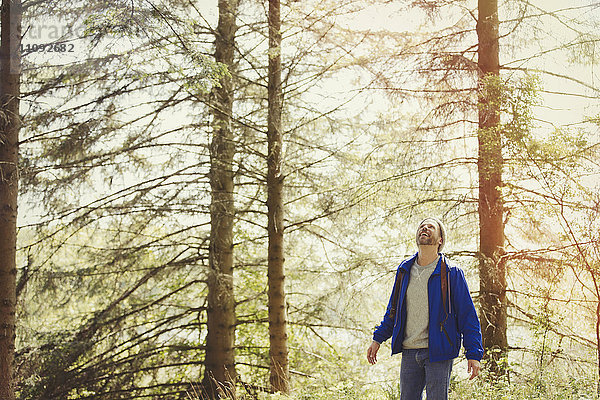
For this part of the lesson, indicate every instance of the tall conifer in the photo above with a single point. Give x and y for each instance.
(10, 69)
(278, 349)
(219, 363)
(490, 163)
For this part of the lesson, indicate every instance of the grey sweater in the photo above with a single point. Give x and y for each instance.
(416, 335)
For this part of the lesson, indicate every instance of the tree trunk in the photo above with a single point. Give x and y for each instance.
(278, 350)
(492, 272)
(10, 69)
(219, 363)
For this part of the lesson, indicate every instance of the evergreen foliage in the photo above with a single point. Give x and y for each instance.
(379, 130)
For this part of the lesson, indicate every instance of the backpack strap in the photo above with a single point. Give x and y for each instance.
(444, 284)
(396, 293)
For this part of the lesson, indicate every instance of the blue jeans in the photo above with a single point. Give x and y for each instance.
(416, 373)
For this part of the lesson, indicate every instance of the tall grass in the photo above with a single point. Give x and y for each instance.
(550, 387)
(552, 381)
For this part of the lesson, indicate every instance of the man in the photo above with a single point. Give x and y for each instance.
(429, 313)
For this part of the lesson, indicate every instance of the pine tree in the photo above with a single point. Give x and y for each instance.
(492, 272)
(10, 70)
(279, 364)
(219, 362)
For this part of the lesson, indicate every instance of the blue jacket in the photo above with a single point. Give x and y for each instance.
(445, 334)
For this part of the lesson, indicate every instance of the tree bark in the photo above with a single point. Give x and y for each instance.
(278, 350)
(492, 272)
(219, 374)
(10, 69)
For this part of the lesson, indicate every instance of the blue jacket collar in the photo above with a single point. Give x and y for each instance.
(408, 263)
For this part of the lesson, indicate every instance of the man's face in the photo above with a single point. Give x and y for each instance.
(428, 234)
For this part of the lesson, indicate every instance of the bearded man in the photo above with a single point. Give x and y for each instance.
(429, 314)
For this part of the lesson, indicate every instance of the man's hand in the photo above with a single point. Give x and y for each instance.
(473, 368)
(372, 352)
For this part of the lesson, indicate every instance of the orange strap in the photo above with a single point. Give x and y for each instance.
(444, 284)
(396, 294)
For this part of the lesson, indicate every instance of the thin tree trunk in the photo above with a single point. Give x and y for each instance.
(10, 69)
(490, 163)
(597, 340)
(219, 363)
(278, 350)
